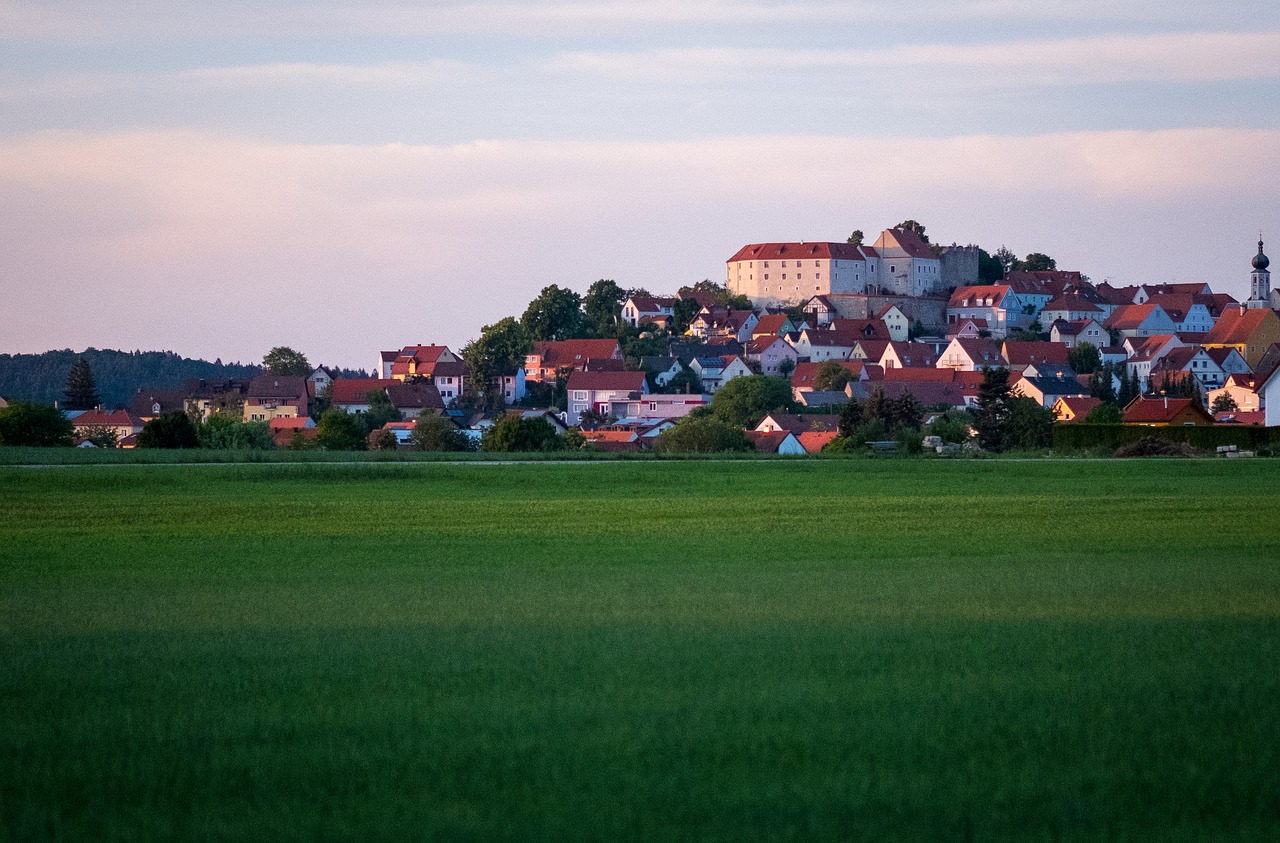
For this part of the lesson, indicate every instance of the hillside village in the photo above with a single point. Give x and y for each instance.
(898, 320)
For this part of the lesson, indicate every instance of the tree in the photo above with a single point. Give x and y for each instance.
(500, 349)
(1102, 383)
(283, 360)
(100, 436)
(82, 388)
(1104, 413)
(227, 433)
(1030, 426)
(554, 315)
(339, 430)
(381, 410)
(912, 225)
(990, 270)
(1008, 261)
(513, 432)
(1224, 403)
(850, 418)
(602, 307)
(436, 433)
(831, 377)
(1038, 262)
(786, 366)
(171, 430)
(1084, 358)
(34, 425)
(382, 440)
(683, 312)
(744, 401)
(855, 239)
(952, 428)
(702, 436)
(908, 412)
(991, 417)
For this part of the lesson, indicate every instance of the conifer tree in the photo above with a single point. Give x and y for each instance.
(82, 388)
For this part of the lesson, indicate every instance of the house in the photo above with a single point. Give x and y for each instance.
(1189, 314)
(770, 352)
(929, 393)
(1229, 360)
(450, 380)
(205, 397)
(662, 369)
(814, 399)
(971, 355)
(416, 399)
(1269, 397)
(546, 415)
(773, 325)
(774, 442)
(511, 385)
(550, 359)
(906, 264)
(906, 355)
(1074, 408)
(272, 396)
(351, 395)
(817, 345)
(598, 391)
(715, 372)
(147, 404)
(996, 305)
(969, 329)
(613, 440)
(1071, 307)
(1047, 389)
(720, 321)
(641, 309)
(806, 373)
(1042, 356)
(1143, 354)
(797, 423)
(649, 406)
(121, 423)
(319, 380)
(895, 322)
(1242, 389)
(1140, 320)
(1249, 331)
(1165, 412)
(813, 441)
(413, 361)
(1188, 360)
(1071, 334)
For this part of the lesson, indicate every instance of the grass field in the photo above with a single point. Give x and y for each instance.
(738, 650)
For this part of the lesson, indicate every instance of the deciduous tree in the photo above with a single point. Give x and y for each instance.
(702, 436)
(435, 433)
(744, 401)
(283, 360)
(171, 430)
(34, 425)
(338, 430)
(554, 315)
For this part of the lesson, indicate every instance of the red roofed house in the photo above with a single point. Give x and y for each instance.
(1165, 412)
(723, 322)
(638, 309)
(1071, 308)
(895, 322)
(773, 325)
(1044, 357)
(996, 304)
(122, 423)
(1242, 389)
(1249, 331)
(1140, 320)
(774, 442)
(597, 391)
(550, 359)
(352, 394)
(798, 423)
(907, 264)
(802, 379)
(814, 441)
(1075, 408)
(907, 355)
(715, 372)
(795, 272)
(1072, 334)
(413, 361)
(971, 355)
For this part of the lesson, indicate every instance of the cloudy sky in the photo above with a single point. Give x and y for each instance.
(219, 178)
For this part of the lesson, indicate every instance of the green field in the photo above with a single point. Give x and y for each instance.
(712, 650)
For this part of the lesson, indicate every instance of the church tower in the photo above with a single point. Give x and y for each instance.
(1259, 282)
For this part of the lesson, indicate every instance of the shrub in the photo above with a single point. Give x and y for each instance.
(1154, 446)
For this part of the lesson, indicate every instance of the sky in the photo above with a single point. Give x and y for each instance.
(216, 179)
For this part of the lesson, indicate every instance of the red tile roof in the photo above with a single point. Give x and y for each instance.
(610, 381)
(808, 251)
(1235, 327)
(1144, 410)
(1028, 353)
(574, 352)
(814, 441)
(356, 390)
(767, 443)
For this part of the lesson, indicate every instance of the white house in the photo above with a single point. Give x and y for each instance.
(598, 391)
(715, 372)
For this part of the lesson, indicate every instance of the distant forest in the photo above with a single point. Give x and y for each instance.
(119, 374)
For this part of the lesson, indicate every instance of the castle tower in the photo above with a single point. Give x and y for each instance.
(1259, 282)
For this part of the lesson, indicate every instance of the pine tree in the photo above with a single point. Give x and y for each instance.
(992, 413)
(82, 388)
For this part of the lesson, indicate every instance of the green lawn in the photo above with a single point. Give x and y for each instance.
(715, 650)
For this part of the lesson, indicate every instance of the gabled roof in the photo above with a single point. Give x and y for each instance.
(911, 353)
(102, 418)
(417, 359)
(144, 402)
(767, 443)
(1236, 325)
(356, 390)
(414, 396)
(1074, 303)
(652, 304)
(802, 250)
(760, 345)
(1054, 384)
(1177, 359)
(1023, 354)
(278, 386)
(906, 241)
(1131, 317)
(1080, 406)
(807, 372)
(1146, 410)
(771, 323)
(798, 423)
(973, 295)
(927, 393)
(980, 349)
(574, 352)
(607, 381)
(814, 441)
(450, 369)
(920, 374)
(867, 329)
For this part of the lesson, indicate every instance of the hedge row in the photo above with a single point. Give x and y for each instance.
(1087, 437)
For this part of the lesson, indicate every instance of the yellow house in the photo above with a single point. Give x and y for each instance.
(1249, 331)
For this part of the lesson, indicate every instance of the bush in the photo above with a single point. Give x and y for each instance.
(435, 433)
(338, 430)
(514, 433)
(702, 436)
(37, 425)
(172, 430)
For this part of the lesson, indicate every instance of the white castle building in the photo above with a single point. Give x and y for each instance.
(899, 263)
